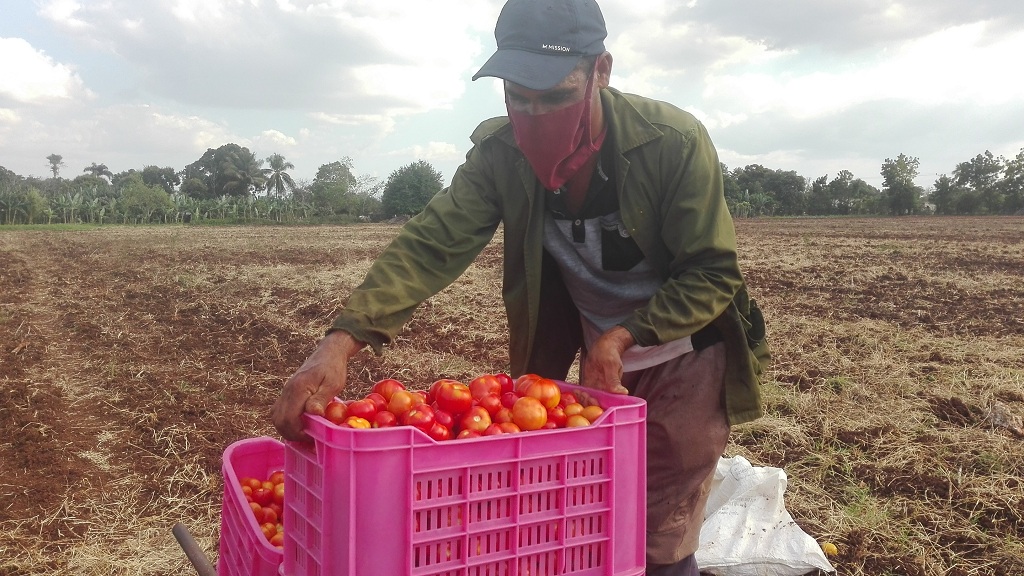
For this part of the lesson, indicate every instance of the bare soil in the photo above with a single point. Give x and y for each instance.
(131, 357)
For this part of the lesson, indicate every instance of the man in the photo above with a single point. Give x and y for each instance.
(618, 247)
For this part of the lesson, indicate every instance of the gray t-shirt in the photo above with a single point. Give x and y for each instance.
(604, 270)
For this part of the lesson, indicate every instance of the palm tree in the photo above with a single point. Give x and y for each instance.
(277, 178)
(56, 163)
(243, 174)
(99, 170)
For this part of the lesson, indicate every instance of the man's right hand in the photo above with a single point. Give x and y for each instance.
(320, 378)
(602, 367)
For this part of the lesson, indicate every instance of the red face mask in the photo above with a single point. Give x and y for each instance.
(557, 144)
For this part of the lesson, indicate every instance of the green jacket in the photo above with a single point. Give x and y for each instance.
(669, 184)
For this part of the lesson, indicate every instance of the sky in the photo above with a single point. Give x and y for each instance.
(812, 86)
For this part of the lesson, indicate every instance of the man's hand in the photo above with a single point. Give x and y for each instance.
(320, 378)
(603, 367)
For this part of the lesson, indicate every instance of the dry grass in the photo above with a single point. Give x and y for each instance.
(131, 357)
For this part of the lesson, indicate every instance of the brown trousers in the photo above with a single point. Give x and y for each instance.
(687, 426)
(687, 432)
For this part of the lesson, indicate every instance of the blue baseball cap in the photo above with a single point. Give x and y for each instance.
(541, 41)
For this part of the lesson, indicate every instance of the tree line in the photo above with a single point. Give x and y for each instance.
(985, 184)
(231, 184)
(227, 184)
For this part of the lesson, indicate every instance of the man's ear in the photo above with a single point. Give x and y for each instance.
(604, 70)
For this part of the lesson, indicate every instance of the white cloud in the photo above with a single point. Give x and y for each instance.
(718, 118)
(797, 84)
(274, 139)
(121, 136)
(958, 63)
(430, 152)
(64, 12)
(381, 56)
(28, 75)
(953, 65)
(775, 158)
(383, 125)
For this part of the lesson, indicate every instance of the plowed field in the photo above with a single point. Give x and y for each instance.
(130, 357)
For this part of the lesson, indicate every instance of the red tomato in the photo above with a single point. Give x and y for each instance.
(529, 414)
(509, 427)
(543, 389)
(502, 415)
(402, 400)
(439, 432)
(278, 509)
(490, 402)
(508, 399)
(421, 417)
(364, 409)
(493, 430)
(567, 398)
(387, 387)
(279, 494)
(277, 540)
(444, 418)
(452, 396)
(336, 412)
(379, 402)
(476, 418)
(269, 515)
(257, 511)
(484, 385)
(252, 483)
(506, 381)
(523, 381)
(277, 477)
(467, 433)
(384, 419)
(262, 496)
(269, 530)
(557, 417)
(432, 391)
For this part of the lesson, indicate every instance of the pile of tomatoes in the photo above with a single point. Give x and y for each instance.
(490, 404)
(266, 500)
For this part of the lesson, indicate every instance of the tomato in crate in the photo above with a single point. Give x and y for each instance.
(246, 547)
(394, 502)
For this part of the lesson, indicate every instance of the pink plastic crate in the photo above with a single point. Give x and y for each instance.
(394, 502)
(244, 551)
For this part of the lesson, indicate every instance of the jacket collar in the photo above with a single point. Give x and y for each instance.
(629, 129)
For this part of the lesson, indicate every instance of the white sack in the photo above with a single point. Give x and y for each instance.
(747, 530)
